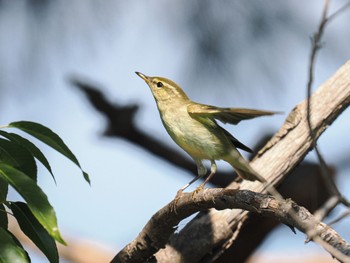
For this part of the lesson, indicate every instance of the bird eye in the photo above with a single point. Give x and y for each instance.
(159, 84)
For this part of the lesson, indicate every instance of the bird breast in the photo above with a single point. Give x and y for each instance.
(200, 139)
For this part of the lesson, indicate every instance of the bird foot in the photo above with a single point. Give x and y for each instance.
(198, 189)
(176, 200)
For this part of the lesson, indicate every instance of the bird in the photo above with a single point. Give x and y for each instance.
(194, 127)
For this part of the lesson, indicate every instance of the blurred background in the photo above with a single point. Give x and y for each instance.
(228, 53)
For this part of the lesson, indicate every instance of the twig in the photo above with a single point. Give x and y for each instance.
(328, 206)
(336, 13)
(342, 216)
(336, 197)
(315, 47)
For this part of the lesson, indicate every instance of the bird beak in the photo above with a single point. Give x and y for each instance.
(142, 76)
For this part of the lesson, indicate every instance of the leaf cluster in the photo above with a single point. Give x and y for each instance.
(18, 169)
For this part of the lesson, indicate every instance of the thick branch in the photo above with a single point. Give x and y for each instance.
(281, 154)
(256, 228)
(164, 222)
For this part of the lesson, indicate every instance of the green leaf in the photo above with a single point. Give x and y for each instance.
(3, 217)
(3, 190)
(34, 230)
(35, 151)
(3, 194)
(50, 138)
(18, 157)
(9, 250)
(35, 198)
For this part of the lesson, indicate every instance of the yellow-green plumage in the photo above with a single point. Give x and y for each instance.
(194, 128)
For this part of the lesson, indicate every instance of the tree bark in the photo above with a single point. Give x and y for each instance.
(164, 222)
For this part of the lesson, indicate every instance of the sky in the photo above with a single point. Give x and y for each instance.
(106, 42)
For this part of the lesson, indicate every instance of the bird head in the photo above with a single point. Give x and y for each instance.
(163, 89)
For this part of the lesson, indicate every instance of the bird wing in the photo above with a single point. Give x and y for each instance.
(225, 115)
(236, 142)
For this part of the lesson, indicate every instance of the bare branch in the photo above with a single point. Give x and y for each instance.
(342, 216)
(257, 228)
(164, 222)
(340, 10)
(315, 47)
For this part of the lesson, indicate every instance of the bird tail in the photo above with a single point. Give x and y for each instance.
(242, 167)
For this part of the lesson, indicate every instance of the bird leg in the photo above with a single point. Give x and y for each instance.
(201, 172)
(212, 172)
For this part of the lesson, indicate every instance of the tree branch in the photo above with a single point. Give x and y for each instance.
(336, 197)
(256, 228)
(164, 222)
(275, 161)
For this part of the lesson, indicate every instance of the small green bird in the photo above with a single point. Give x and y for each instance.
(194, 128)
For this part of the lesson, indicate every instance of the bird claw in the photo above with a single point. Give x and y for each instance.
(176, 200)
(198, 189)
